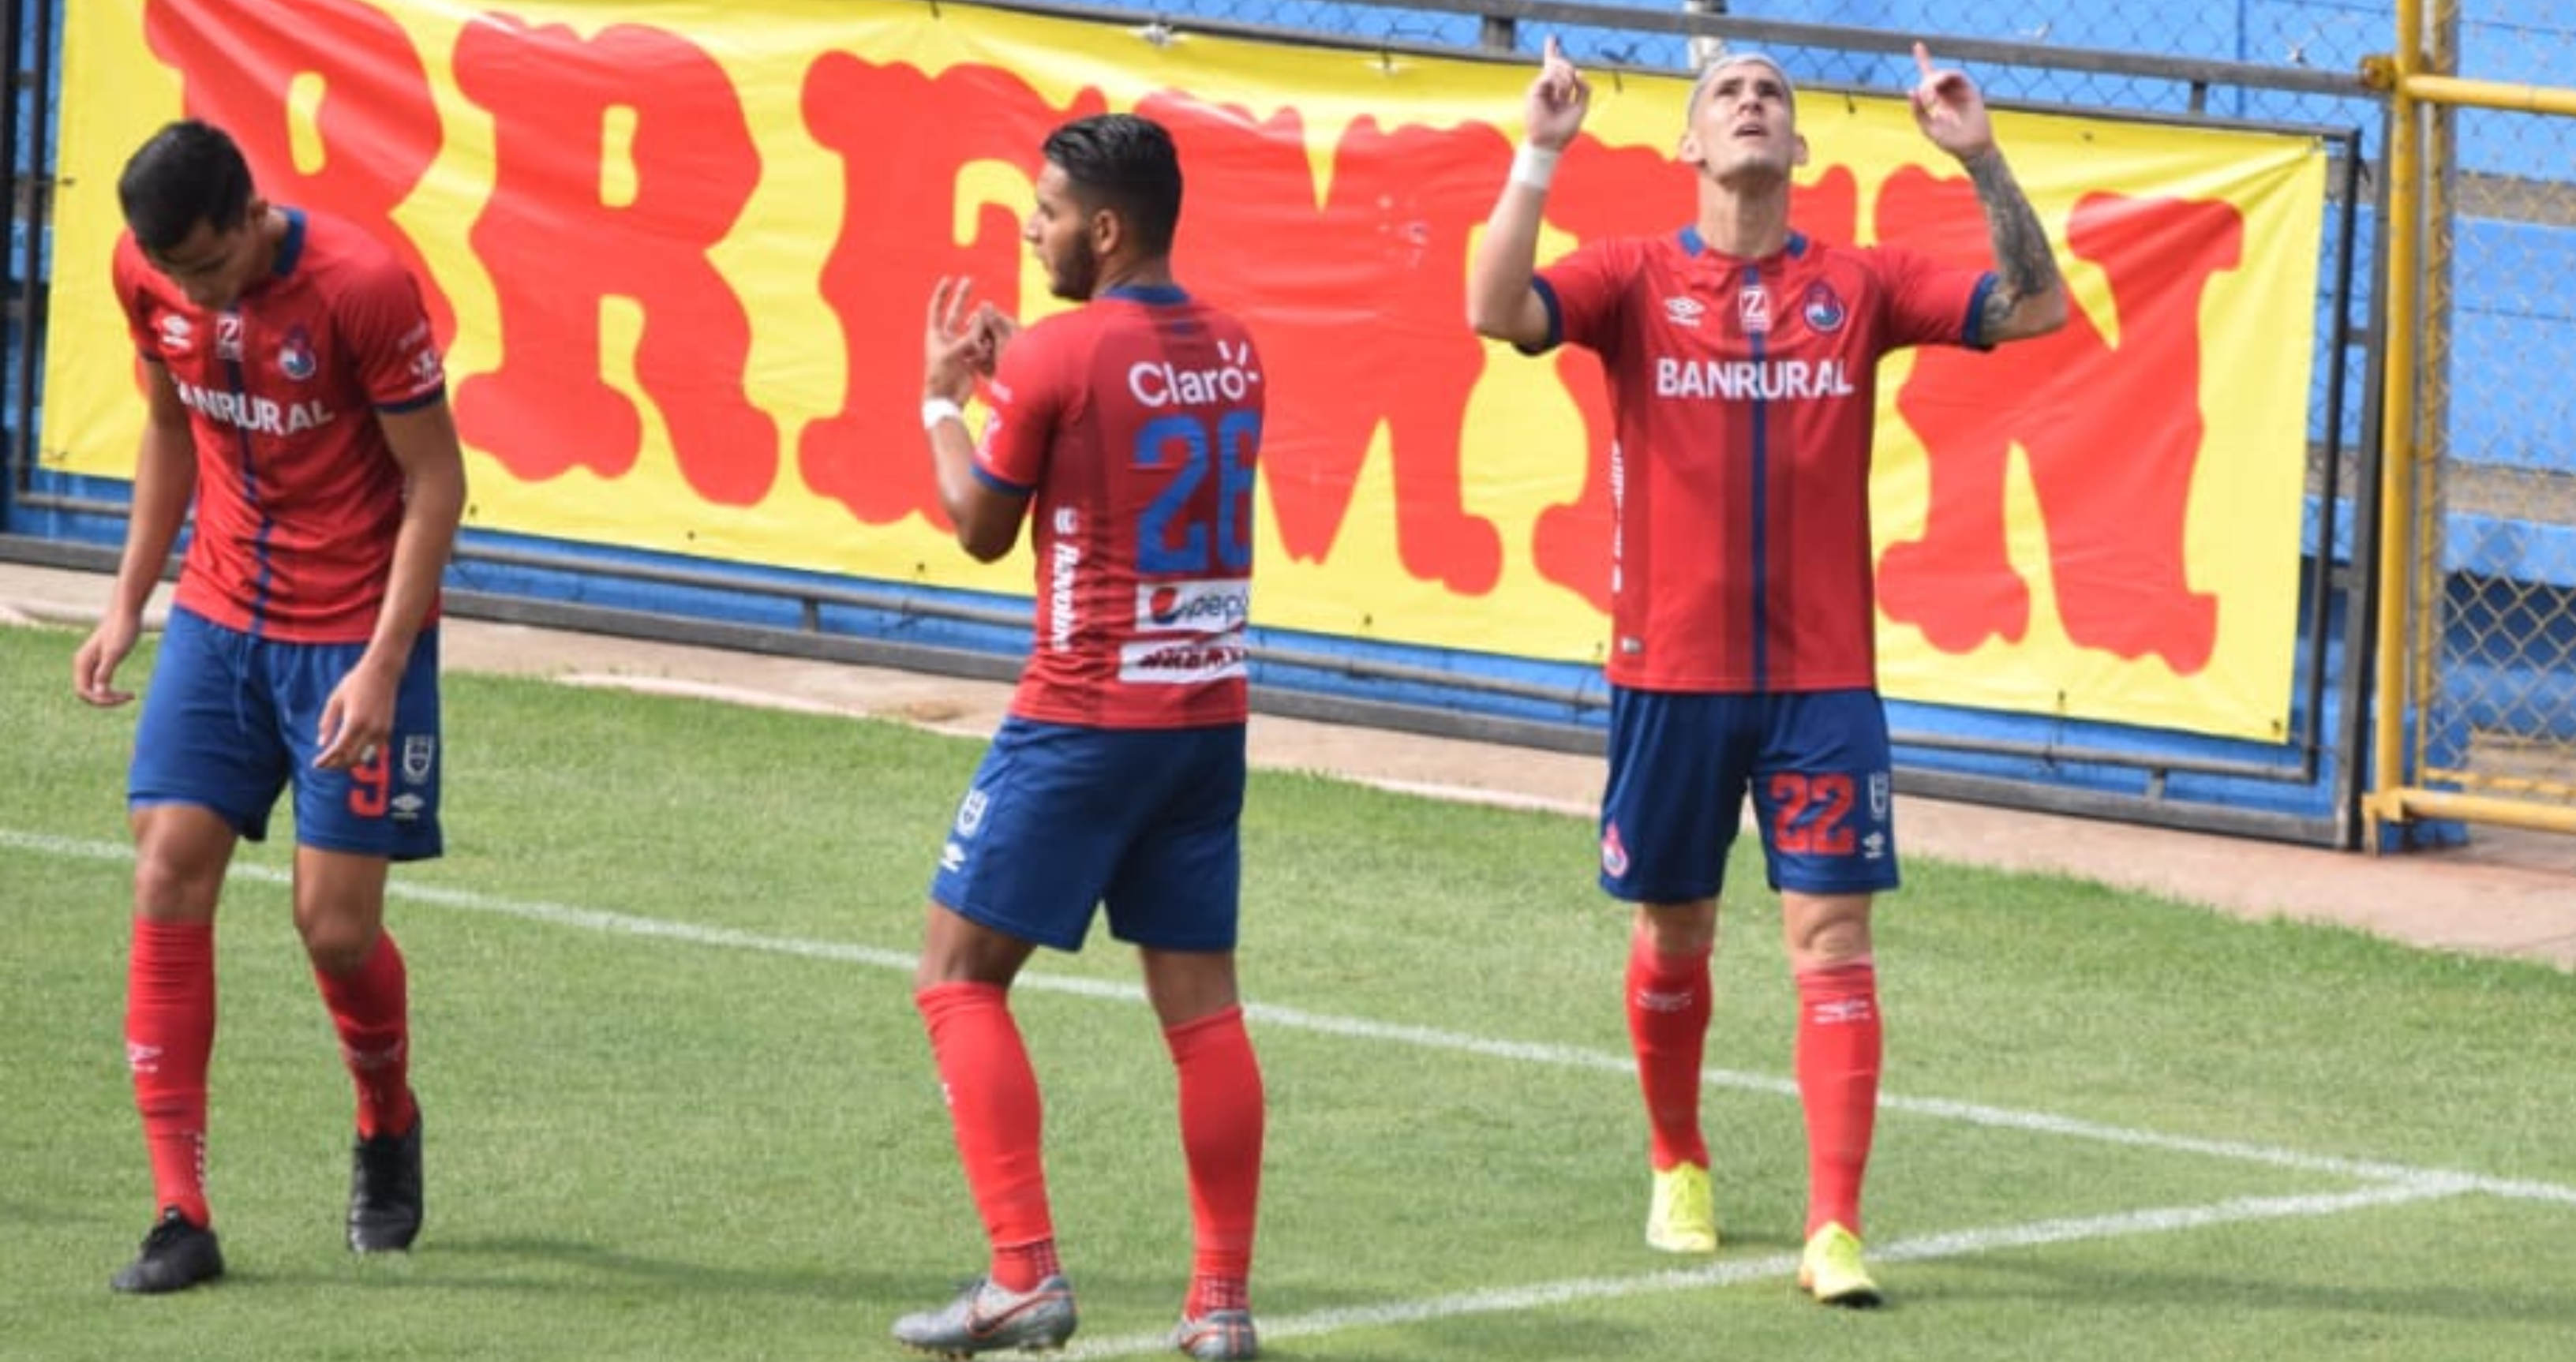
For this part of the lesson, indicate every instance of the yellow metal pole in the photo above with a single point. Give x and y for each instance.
(2487, 94)
(2399, 243)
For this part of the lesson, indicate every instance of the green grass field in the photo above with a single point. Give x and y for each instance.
(679, 1105)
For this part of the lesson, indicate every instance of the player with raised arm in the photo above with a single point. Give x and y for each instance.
(1741, 358)
(1125, 433)
(296, 401)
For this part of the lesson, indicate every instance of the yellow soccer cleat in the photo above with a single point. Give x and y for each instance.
(1683, 1216)
(1831, 1270)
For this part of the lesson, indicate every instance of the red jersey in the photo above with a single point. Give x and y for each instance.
(1135, 421)
(298, 495)
(1743, 395)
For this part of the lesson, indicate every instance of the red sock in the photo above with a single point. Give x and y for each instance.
(1222, 1117)
(1839, 1040)
(169, 1034)
(370, 1008)
(993, 1106)
(1669, 998)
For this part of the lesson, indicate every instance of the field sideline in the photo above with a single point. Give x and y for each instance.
(2221, 1139)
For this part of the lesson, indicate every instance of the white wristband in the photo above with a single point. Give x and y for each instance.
(1534, 166)
(937, 409)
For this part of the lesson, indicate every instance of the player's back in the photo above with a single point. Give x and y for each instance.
(1136, 422)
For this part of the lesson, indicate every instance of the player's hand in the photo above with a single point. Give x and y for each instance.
(1558, 99)
(1950, 110)
(961, 341)
(357, 720)
(94, 666)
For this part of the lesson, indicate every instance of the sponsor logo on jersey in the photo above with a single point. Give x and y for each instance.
(259, 415)
(1823, 308)
(1743, 380)
(1064, 569)
(228, 336)
(295, 357)
(1684, 311)
(1180, 662)
(1217, 607)
(178, 334)
(1161, 383)
(1753, 310)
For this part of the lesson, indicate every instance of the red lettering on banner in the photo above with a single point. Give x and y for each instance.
(2114, 494)
(1355, 305)
(901, 207)
(377, 119)
(545, 409)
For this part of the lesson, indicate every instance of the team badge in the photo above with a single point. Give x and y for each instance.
(419, 753)
(1823, 308)
(970, 813)
(295, 355)
(1614, 853)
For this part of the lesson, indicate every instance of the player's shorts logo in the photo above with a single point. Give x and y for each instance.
(1614, 853)
(970, 813)
(419, 753)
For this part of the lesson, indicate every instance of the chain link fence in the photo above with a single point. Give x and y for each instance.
(2490, 647)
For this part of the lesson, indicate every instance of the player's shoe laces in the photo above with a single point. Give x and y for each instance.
(384, 1192)
(1682, 1218)
(1831, 1270)
(178, 1254)
(1218, 1336)
(988, 1319)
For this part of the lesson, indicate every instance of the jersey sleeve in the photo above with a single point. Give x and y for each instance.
(1027, 397)
(386, 327)
(1929, 303)
(129, 274)
(1585, 290)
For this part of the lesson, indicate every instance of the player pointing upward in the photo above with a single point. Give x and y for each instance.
(1741, 358)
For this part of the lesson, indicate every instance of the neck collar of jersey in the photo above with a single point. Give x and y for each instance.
(1162, 294)
(1694, 244)
(290, 247)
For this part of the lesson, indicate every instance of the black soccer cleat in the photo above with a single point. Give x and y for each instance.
(384, 1192)
(179, 1253)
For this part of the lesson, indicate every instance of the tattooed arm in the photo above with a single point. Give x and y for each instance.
(2029, 298)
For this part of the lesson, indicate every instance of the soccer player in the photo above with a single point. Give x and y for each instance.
(295, 398)
(1741, 360)
(1125, 431)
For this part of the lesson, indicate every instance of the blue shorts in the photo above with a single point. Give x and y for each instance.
(1062, 820)
(231, 719)
(1816, 763)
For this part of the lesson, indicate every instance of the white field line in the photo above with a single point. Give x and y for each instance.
(1736, 1271)
(1561, 1056)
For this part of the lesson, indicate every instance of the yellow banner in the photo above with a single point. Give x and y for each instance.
(682, 251)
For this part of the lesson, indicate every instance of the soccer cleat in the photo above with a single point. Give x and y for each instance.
(988, 1319)
(1683, 1216)
(178, 1254)
(1217, 1336)
(384, 1192)
(1830, 1270)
